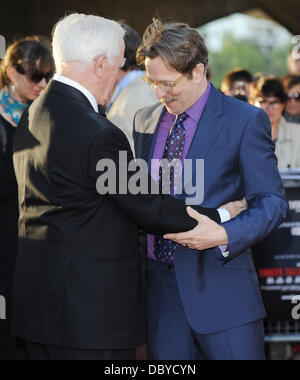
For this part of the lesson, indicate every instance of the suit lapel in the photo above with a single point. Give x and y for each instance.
(209, 126)
(155, 124)
(208, 129)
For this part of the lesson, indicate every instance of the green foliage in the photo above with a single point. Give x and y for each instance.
(248, 55)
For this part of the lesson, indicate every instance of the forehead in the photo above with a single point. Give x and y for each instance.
(240, 83)
(41, 65)
(295, 88)
(158, 70)
(270, 98)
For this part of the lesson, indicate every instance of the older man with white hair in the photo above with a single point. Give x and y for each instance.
(79, 287)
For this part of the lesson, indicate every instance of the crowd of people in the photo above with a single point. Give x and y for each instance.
(280, 98)
(26, 71)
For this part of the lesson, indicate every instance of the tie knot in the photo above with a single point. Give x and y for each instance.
(182, 117)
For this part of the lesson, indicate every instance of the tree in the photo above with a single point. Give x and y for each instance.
(248, 55)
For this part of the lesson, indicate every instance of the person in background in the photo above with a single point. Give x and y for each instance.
(130, 95)
(257, 80)
(24, 73)
(292, 88)
(131, 92)
(293, 62)
(272, 98)
(237, 84)
(209, 74)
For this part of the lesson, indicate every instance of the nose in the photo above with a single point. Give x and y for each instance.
(159, 92)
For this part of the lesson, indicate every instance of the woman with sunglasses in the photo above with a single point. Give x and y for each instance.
(292, 87)
(25, 71)
(272, 98)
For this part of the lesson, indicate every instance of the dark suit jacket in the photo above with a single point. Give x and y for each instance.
(78, 282)
(8, 210)
(8, 230)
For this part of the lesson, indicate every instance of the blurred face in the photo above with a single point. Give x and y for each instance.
(274, 108)
(28, 86)
(178, 92)
(293, 104)
(241, 88)
(294, 66)
(297, 66)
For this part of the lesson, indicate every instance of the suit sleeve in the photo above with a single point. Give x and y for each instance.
(262, 186)
(156, 214)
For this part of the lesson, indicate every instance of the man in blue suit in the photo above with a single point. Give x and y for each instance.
(203, 292)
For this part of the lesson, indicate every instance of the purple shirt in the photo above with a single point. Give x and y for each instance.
(191, 124)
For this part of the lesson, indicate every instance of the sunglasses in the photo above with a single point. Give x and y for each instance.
(34, 76)
(295, 96)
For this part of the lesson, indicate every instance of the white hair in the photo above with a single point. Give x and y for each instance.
(82, 38)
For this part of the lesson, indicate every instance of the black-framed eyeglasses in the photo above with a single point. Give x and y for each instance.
(35, 76)
(263, 103)
(295, 96)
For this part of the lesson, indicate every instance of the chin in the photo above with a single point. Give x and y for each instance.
(33, 96)
(171, 110)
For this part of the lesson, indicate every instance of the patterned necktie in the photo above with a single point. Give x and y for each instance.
(164, 249)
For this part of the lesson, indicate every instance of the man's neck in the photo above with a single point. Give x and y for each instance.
(200, 92)
(203, 87)
(73, 81)
(77, 79)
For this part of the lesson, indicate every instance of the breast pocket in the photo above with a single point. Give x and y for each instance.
(244, 262)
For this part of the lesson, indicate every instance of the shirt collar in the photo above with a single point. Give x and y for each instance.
(79, 87)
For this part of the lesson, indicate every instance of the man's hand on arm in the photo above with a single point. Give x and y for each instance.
(206, 235)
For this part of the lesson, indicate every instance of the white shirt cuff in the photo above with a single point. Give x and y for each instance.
(224, 251)
(224, 215)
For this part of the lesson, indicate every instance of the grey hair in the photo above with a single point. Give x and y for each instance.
(82, 38)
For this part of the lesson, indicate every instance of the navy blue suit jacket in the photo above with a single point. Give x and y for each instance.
(234, 139)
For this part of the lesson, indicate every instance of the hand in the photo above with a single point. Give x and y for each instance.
(206, 235)
(235, 208)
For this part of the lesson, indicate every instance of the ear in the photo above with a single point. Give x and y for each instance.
(199, 73)
(11, 73)
(99, 65)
